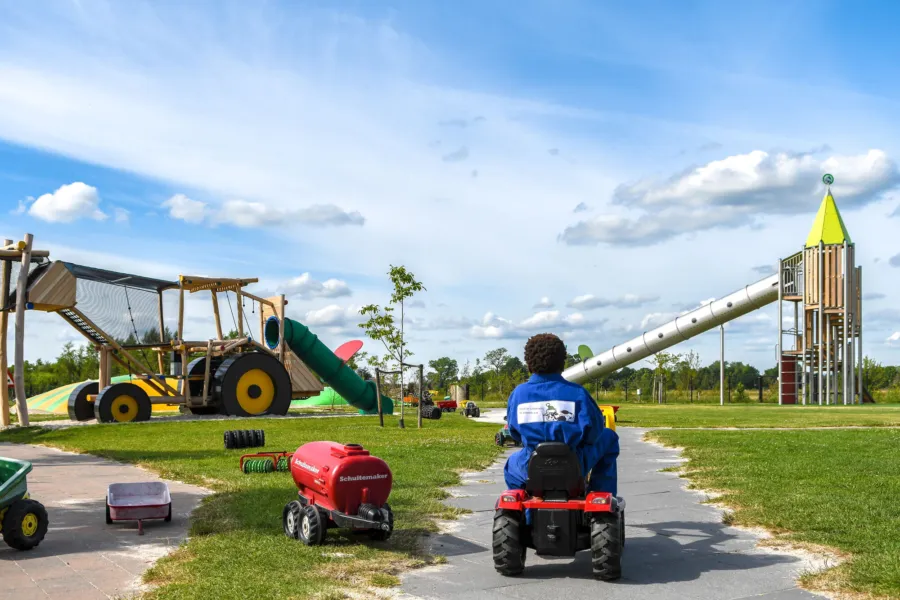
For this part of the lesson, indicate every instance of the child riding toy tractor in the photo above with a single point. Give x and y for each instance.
(555, 517)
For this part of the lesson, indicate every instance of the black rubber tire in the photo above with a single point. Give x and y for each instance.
(477, 412)
(498, 438)
(197, 368)
(262, 437)
(622, 529)
(436, 413)
(291, 526)
(244, 436)
(230, 372)
(606, 547)
(168, 518)
(311, 530)
(13, 533)
(109, 520)
(103, 409)
(79, 407)
(508, 544)
(380, 535)
(228, 439)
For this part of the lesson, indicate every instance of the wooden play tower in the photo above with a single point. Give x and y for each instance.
(824, 362)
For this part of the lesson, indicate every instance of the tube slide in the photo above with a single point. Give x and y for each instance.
(737, 304)
(317, 356)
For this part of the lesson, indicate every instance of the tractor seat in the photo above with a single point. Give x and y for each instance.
(554, 473)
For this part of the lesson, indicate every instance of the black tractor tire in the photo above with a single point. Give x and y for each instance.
(290, 519)
(477, 412)
(197, 368)
(240, 381)
(228, 439)
(498, 439)
(80, 409)
(380, 535)
(508, 543)
(312, 526)
(122, 403)
(622, 529)
(25, 524)
(606, 547)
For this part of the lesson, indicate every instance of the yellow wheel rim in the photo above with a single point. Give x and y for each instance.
(30, 524)
(255, 391)
(124, 409)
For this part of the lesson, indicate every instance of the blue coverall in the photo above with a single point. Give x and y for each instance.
(548, 408)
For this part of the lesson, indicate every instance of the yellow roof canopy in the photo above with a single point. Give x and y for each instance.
(828, 227)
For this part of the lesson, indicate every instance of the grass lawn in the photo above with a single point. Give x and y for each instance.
(750, 415)
(238, 549)
(836, 488)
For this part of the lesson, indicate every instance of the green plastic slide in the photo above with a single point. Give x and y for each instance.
(318, 357)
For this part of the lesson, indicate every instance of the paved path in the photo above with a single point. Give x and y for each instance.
(82, 557)
(676, 548)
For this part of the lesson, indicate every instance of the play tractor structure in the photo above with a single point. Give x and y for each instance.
(339, 485)
(561, 520)
(23, 521)
(121, 315)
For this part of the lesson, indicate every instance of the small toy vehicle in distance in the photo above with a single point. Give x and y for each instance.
(471, 410)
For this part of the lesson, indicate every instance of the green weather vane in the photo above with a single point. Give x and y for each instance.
(828, 179)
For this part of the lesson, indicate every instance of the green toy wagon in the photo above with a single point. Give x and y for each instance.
(23, 522)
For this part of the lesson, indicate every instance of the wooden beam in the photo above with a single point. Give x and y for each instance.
(14, 254)
(240, 314)
(5, 272)
(215, 302)
(257, 298)
(205, 373)
(21, 300)
(180, 309)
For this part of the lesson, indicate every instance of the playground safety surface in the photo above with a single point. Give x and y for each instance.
(676, 548)
(82, 557)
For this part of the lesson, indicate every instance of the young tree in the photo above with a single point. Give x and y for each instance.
(664, 361)
(445, 371)
(381, 325)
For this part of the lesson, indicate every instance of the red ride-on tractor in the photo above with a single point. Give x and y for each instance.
(562, 520)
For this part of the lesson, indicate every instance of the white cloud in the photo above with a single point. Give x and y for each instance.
(544, 302)
(497, 327)
(305, 286)
(121, 215)
(333, 315)
(242, 213)
(591, 302)
(733, 192)
(183, 208)
(68, 203)
(894, 339)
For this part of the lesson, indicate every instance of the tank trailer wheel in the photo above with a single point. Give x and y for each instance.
(508, 546)
(606, 547)
(380, 535)
(80, 409)
(290, 519)
(253, 384)
(312, 527)
(25, 524)
(122, 403)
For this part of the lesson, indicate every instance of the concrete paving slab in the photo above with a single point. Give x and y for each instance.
(82, 557)
(677, 548)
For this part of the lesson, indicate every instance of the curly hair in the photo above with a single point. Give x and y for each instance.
(545, 353)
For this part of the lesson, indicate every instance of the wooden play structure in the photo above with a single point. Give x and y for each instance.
(824, 362)
(121, 315)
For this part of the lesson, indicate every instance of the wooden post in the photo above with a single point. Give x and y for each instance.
(185, 383)
(19, 375)
(104, 368)
(421, 376)
(378, 395)
(181, 309)
(240, 312)
(215, 302)
(5, 271)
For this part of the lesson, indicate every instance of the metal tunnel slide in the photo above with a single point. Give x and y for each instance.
(333, 371)
(737, 304)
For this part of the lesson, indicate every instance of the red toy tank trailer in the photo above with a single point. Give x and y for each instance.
(339, 486)
(563, 520)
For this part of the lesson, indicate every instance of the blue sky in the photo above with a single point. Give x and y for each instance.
(314, 144)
